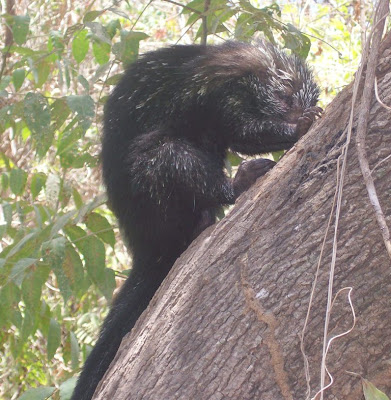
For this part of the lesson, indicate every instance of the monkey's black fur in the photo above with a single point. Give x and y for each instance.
(168, 125)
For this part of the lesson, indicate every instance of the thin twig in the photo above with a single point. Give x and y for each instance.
(205, 23)
(379, 20)
(380, 162)
(183, 6)
(141, 13)
(302, 346)
(350, 289)
(363, 118)
(378, 98)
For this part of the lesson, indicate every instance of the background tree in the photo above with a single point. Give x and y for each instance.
(60, 255)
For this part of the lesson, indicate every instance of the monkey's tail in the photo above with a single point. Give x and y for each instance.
(131, 301)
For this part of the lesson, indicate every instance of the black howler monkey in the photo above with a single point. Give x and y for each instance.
(167, 127)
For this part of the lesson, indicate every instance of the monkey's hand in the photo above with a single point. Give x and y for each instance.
(307, 119)
(248, 172)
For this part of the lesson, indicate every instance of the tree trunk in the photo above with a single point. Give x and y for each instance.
(226, 323)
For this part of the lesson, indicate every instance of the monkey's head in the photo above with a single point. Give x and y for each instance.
(288, 86)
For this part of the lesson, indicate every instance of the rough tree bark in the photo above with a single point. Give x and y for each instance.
(227, 321)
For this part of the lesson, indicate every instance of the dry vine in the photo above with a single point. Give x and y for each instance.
(369, 60)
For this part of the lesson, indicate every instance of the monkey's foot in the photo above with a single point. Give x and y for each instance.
(249, 172)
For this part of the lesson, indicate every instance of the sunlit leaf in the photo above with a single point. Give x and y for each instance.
(37, 116)
(98, 224)
(18, 76)
(54, 338)
(91, 15)
(55, 258)
(127, 50)
(37, 183)
(75, 351)
(101, 51)
(84, 106)
(80, 45)
(20, 28)
(18, 179)
(371, 392)
(41, 393)
(73, 269)
(18, 270)
(66, 388)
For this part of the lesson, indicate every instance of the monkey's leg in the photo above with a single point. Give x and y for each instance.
(169, 187)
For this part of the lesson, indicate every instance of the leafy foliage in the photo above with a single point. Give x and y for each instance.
(59, 253)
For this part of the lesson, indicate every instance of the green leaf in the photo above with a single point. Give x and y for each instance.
(36, 112)
(59, 113)
(194, 4)
(277, 155)
(7, 212)
(91, 15)
(77, 198)
(54, 338)
(68, 139)
(234, 159)
(93, 251)
(56, 258)
(20, 28)
(99, 32)
(371, 392)
(84, 106)
(107, 284)
(37, 183)
(98, 224)
(80, 46)
(4, 180)
(127, 50)
(67, 387)
(101, 51)
(83, 81)
(18, 271)
(41, 393)
(114, 79)
(18, 78)
(28, 326)
(9, 299)
(61, 222)
(294, 40)
(91, 206)
(43, 69)
(37, 116)
(56, 41)
(73, 269)
(18, 179)
(44, 318)
(75, 351)
(13, 249)
(113, 26)
(76, 234)
(32, 287)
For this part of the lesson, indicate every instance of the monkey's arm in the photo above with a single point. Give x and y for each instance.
(164, 167)
(254, 135)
